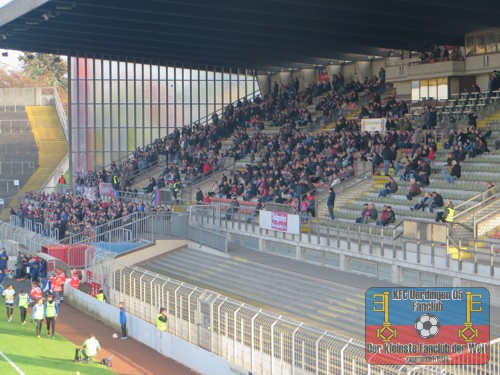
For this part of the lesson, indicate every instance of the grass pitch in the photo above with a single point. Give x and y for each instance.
(32, 356)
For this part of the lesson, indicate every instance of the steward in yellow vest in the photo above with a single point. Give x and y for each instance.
(161, 320)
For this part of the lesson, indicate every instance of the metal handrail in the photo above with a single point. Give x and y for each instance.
(477, 221)
(61, 113)
(484, 196)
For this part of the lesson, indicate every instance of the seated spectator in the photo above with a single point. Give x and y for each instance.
(451, 140)
(437, 201)
(370, 215)
(413, 189)
(455, 173)
(425, 202)
(448, 215)
(387, 217)
(490, 191)
(364, 211)
(389, 188)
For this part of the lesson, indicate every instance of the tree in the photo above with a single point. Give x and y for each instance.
(12, 78)
(45, 69)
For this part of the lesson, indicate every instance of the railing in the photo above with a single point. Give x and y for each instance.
(10, 185)
(368, 240)
(257, 340)
(13, 126)
(17, 167)
(61, 113)
(483, 197)
(51, 183)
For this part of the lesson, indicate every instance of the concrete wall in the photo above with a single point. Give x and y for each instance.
(26, 96)
(264, 83)
(403, 88)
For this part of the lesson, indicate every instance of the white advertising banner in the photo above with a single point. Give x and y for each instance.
(373, 124)
(280, 221)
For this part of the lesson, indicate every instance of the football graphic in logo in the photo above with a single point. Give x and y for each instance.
(427, 326)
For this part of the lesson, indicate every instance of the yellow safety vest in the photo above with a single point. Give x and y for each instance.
(451, 215)
(162, 326)
(100, 297)
(50, 309)
(23, 300)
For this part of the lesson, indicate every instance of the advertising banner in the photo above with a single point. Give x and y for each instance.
(279, 221)
(373, 124)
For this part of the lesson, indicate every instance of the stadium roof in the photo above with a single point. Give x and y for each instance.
(255, 34)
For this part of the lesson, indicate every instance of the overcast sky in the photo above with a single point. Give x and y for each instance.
(3, 2)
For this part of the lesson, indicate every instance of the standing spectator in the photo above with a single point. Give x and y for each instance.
(9, 294)
(330, 203)
(55, 285)
(123, 320)
(311, 204)
(101, 297)
(471, 118)
(74, 282)
(199, 196)
(62, 277)
(161, 320)
(381, 76)
(387, 157)
(23, 304)
(38, 314)
(448, 215)
(51, 312)
(233, 209)
(413, 189)
(437, 201)
(4, 258)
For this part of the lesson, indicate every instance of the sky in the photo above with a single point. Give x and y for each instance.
(10, 62)
(3, 2)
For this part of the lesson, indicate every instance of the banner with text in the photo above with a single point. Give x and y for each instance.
(280, 221)
(373, 125)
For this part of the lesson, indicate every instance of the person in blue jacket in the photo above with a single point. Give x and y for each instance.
(123, 320)
(4, 258)
(42, 272)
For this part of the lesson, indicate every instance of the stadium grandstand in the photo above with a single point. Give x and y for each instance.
(255, 169)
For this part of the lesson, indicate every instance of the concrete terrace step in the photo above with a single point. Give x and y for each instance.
(306, 297)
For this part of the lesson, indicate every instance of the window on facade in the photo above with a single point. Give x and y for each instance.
(491, 45)
(480, 45)
(470, 47)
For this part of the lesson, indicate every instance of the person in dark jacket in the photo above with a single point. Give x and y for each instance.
(199, 196)
(123, 320)
(330, 203)
(456, 172)
(387, 158)
(437, 201)
(389, 188)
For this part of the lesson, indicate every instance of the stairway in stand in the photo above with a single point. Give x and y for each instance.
(51, 143)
